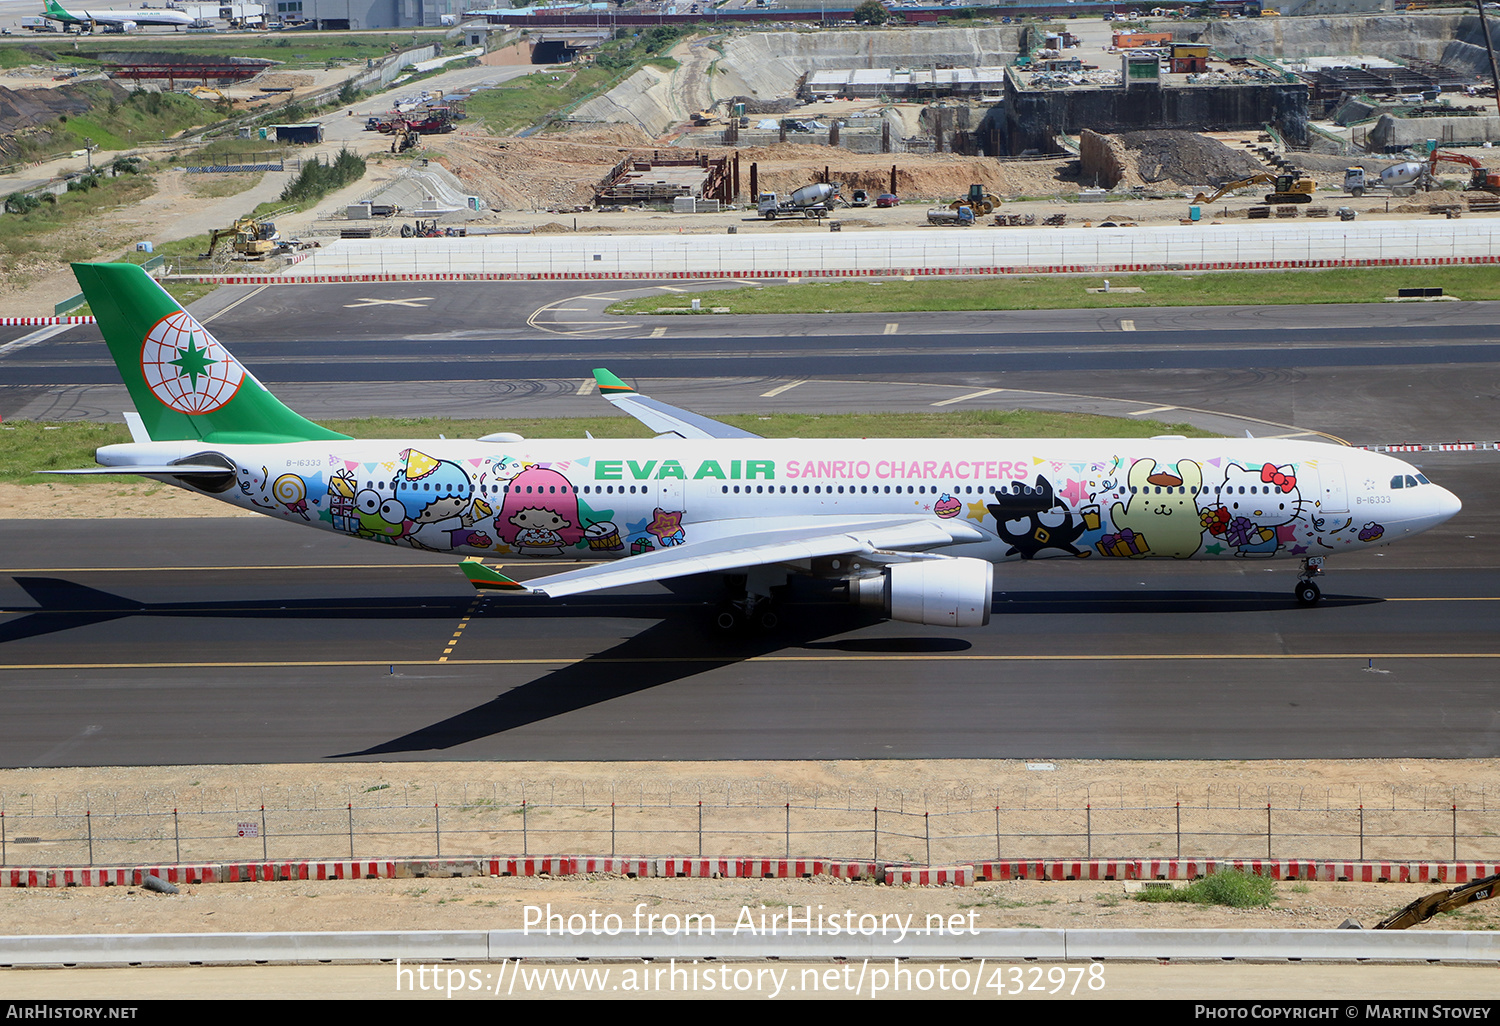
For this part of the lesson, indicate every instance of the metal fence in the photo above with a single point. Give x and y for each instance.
(417, 822)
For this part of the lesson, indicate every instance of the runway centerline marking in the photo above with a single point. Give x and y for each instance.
(418, 303)
(972, 395)
(658, 332)
(1353, 657)
(890, 329)
(1158, 409)
(586, 386)
(1127, 325)
(782, 388)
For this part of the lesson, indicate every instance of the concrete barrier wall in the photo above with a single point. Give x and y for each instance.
(919, 251)
(870, 939)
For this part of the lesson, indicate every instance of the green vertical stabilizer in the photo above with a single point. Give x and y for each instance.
(185, 385)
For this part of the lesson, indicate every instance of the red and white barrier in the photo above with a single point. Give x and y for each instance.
(783, 869)
(930, 876)
(1437, 874)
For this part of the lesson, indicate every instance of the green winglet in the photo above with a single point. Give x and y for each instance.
(609, 384)
(485, 579)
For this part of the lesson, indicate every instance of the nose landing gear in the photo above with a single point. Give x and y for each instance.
(1307, 591)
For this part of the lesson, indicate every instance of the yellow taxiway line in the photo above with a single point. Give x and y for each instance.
(731, 658)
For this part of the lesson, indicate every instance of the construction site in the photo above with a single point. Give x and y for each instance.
(1088, 119)
(1067, 121)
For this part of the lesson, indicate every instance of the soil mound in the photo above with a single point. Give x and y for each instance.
(1184, 158)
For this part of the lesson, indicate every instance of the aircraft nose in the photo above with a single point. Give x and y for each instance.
(1445, 504)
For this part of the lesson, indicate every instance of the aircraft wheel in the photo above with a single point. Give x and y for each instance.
(768, 618)
(727, 620)
(1308, 593)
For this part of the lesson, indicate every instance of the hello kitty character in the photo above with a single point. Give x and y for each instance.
(1252, 503)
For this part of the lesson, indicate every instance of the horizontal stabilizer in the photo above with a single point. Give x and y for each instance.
(659, 416)
(485, 579)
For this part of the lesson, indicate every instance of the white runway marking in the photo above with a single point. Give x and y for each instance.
(249, 295)
(40, 335)
(782, 388)
(417, 303)
(971, 395)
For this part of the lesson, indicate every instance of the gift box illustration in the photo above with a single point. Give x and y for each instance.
(1126, 543)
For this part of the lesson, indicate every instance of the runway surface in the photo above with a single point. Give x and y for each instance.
(1365, 373)
(254, 641)
(251, 641)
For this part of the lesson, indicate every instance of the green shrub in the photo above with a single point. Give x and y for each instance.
(20, 203)
(1230, 887)
(318, 179)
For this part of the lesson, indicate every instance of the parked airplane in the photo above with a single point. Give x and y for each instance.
(116, 19)
(914, 526)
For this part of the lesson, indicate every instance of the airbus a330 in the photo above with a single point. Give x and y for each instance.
(915, 527)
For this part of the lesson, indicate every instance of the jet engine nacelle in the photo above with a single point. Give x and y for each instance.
(941, 592)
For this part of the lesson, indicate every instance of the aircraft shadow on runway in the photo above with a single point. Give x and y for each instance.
(680, 645)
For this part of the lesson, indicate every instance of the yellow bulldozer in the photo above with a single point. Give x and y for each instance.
(1290, 187)
(979, 201)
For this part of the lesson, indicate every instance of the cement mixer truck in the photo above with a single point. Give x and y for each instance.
(1402, 179)
(809, 201)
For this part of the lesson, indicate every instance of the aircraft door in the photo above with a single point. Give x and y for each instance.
(1332, 493)
(667, 496)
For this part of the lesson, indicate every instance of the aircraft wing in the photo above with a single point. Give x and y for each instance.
(791, 543)
(660, 417)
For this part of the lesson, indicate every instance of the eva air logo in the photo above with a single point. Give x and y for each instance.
(186, 367)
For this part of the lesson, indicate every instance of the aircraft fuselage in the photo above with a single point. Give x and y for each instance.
(1031, 498)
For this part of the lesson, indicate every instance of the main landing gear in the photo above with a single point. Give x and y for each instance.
(1307, 591)
(751, 600)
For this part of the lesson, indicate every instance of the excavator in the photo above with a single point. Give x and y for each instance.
(1291, 187)
(253, 239)
(1424, 908)
(1482, 179)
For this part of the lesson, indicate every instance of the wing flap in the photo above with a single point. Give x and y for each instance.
(757, 548)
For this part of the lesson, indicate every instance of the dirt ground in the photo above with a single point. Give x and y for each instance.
(498, 903)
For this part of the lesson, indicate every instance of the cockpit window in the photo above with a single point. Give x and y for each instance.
(1411, 482)
(1396, 481)
(1423, 479)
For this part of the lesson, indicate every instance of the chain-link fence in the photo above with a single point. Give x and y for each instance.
(411, 821)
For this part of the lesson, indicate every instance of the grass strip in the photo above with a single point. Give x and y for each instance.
(30, 446)
(1043, 292)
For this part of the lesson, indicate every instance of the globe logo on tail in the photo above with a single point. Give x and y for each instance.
(186, 367)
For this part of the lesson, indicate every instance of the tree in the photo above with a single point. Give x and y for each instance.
(871, 12)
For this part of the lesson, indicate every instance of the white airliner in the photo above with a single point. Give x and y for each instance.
(914, 526)
(119, 19)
